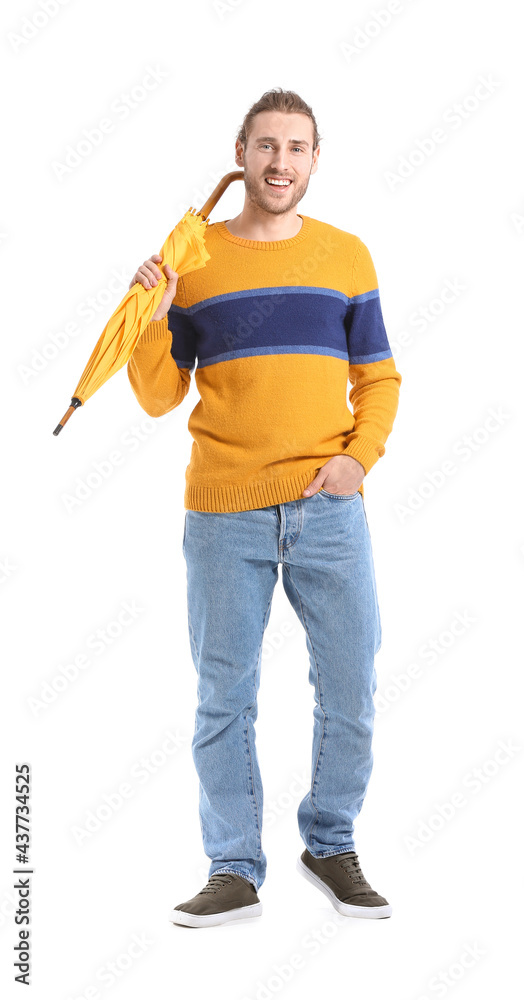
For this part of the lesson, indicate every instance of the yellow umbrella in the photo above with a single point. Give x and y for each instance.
(184, 251)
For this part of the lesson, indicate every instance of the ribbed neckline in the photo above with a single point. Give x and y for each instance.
(223, 231)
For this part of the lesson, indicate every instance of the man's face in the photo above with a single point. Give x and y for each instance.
(279, 146)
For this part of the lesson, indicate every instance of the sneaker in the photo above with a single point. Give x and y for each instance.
(340, 878)
(226, 896)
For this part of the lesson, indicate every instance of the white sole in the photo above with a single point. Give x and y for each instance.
(210, 919)
(347, 909)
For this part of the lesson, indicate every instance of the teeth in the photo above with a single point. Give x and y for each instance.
(281, 183)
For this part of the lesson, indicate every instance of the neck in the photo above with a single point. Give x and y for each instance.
(254, 223)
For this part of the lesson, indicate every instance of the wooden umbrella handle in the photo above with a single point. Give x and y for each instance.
(235, 175)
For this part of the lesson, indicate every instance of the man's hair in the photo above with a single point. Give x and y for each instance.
(277, 100)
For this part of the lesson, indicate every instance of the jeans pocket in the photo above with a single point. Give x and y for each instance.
(339, 496)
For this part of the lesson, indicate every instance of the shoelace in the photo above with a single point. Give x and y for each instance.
(217, 882)
(351, 866)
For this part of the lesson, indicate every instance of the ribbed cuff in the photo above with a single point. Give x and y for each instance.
(364, 451)
(155, 330)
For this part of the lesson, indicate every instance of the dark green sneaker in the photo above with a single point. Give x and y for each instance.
(226, 896)
(340, 878)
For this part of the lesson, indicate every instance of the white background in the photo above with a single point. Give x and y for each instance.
(444, 545)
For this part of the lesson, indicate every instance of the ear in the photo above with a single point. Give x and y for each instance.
(239, 154)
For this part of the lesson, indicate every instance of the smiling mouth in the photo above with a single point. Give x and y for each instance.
(281, 185)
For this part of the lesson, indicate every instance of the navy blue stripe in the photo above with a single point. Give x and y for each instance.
(367, 338)
(184, 340)
(279, 320)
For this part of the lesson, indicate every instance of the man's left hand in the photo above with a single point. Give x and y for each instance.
(342, 474)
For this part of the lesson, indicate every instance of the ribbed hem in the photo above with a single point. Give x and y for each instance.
(364, 451)
(219, 499)
(155, 330)
(222, 230)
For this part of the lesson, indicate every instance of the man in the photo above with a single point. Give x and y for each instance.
(284, 311)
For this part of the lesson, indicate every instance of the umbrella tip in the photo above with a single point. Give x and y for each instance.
(75, 402)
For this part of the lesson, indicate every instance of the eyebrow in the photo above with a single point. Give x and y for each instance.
(272, 138)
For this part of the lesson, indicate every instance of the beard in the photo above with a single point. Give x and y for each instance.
(255, 186)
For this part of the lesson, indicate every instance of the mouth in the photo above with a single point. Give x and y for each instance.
(278, 184)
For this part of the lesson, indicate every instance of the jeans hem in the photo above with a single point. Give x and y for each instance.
(329, 854)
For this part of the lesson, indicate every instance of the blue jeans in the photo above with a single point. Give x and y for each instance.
(324, 546)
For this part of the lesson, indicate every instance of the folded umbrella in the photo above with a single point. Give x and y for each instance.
(184, 250)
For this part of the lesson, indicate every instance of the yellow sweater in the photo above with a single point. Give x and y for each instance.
(274, 329)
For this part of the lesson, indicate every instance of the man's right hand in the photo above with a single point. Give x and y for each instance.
(148, 274)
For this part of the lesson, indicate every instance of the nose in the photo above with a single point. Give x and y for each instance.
(279, 163)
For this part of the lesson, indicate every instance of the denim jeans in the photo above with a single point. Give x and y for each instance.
(324, 546)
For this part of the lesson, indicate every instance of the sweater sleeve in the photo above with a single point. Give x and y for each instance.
(160, 367)
(374, 378)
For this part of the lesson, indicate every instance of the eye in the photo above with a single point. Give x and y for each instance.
(267, 144)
